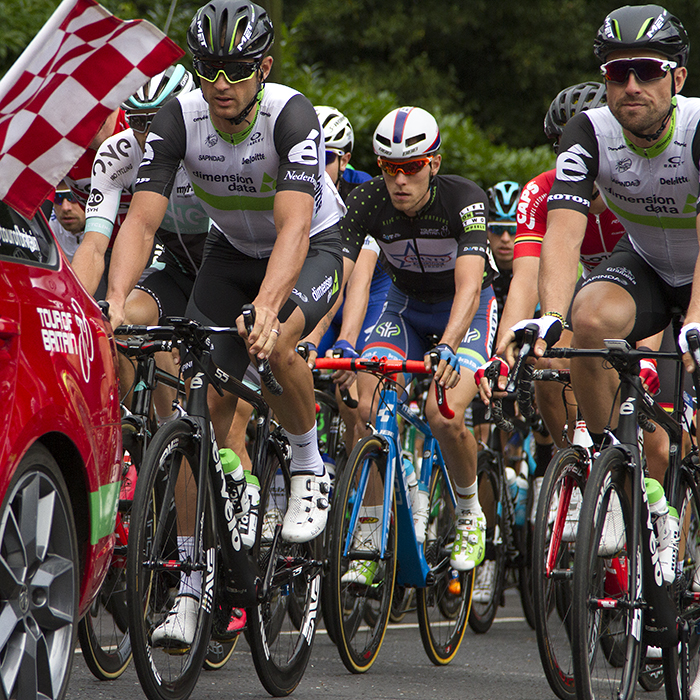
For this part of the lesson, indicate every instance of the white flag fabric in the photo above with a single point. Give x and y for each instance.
(80, 67)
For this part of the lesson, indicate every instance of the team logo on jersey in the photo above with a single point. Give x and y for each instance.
(673, 162)
(411, 258)
(387, 329)
(623, 165)
(306, 152)
(211, 140)
(571, 166)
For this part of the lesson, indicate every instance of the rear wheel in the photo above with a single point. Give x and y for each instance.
(39, 586)
(553, 570)
(443, 606)
(489, 576)
(607, 620)
(165, 511)
(359, 575)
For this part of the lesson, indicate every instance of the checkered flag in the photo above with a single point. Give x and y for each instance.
(81, 66)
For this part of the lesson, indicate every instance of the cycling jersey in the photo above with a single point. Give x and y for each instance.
(420, 252)
(653, 191)
(350, 179)
(236, 176)
(185, 224)
(602, 231)
(79, 176)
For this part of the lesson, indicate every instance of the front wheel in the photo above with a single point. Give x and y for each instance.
(170, 575)
(490, 574)
(553, 567)
(607, 618)
(682, 664)
(281, 628)
(443, 606)
(360, 576)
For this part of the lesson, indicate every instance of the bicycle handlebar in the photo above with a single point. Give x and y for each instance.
(264, 369)
(386, 367)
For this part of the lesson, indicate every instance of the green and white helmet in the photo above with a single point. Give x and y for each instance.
(160, 89)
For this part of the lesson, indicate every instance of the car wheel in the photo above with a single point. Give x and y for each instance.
(38, 580)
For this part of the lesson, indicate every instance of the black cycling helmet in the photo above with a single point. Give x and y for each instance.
(647, 27)
(571, 101)
(215, 27)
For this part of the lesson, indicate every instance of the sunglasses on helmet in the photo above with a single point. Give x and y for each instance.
(234, 71)
(63, 196)
(644, 69)
(140, 122)
(407, 167)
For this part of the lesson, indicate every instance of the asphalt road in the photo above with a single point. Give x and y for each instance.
(503, 664)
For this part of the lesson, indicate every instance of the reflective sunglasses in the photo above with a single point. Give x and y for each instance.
(644, 69)
(407, 167)
(498, 228)
(234, 71)
(63, 195)
(140, 122)
(332, 154)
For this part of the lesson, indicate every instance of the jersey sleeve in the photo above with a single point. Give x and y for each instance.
(297, 138)
(112, 162)
(531, 220)
(577, 166)
(165, 148)
(354, 226)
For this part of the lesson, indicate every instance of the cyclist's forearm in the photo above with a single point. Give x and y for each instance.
(89, 261)
(522, 294)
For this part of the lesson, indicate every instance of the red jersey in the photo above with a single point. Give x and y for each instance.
(602, 233)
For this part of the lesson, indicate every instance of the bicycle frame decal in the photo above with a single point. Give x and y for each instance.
(208, 592)
(229, 514)
(308, 630)
(658, 574)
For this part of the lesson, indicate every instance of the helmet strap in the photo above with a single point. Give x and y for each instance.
(659, 131)
(243, 116)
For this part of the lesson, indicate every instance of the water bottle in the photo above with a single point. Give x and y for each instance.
(420, 512)
(517, 487)
(248, 525)
(667, 526)
(235, 481)
(410, 476)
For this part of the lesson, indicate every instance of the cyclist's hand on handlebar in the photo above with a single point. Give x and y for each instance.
(649, 376)
(447, 372)
(117, 314)
(308, 351)
(342, 348)
(483, 381)
(548, 328)
(688, 361)
(265, 333)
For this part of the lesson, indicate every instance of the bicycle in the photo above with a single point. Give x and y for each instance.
(103, 632)
(386, 534)
(184, 455)
(621, 604)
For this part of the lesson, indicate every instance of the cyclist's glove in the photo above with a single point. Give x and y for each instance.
(446, 353)
(483, 371)
(341, 348)
(305, 348)
(682, 340)
(649, 375)
(548, 328)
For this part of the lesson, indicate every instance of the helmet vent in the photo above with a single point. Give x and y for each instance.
(411, 141)
(383, 140)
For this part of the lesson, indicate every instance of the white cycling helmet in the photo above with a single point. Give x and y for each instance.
(406, 132)
(337, 130)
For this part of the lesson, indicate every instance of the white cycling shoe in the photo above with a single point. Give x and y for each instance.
(178, 629)
(307, 510)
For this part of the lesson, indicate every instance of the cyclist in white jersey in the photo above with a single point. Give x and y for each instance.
(642, 152)
(251, 151)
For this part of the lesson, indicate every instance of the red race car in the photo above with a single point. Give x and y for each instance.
(60, 457)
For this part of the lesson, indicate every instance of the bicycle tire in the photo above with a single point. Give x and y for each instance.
(442, 634)
(525, 537)
(599, 632)
(281, 649)
(359, 644)
(552, 596)
(687, 503)
(483, 610)
(103, 632)
(168, 674)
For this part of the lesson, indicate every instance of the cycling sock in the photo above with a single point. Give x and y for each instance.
(192, 584)
(305, 454)
(468, 498)
(543, 456)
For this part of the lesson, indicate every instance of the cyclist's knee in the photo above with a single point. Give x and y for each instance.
(602, 310)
